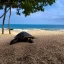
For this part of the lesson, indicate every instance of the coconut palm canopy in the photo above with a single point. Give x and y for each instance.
(28, 6)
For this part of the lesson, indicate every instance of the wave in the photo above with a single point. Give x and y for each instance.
(34, 29)
(25, 29)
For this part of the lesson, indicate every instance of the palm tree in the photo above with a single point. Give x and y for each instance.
(9, 21)
(4, 20)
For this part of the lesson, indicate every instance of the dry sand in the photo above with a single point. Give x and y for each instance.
(48, 48)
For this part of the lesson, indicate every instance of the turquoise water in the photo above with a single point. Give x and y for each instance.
(33, 26)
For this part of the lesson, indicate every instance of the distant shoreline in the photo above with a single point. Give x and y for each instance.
(27, 29)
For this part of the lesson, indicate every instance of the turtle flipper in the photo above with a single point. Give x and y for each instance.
(13, 41)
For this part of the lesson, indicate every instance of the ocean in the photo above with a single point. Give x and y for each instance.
(34, 26)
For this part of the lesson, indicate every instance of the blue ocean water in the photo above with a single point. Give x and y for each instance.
(34, 26)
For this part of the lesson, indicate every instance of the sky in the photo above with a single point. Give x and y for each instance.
(52, 15)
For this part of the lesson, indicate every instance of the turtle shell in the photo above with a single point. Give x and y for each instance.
(23, 35)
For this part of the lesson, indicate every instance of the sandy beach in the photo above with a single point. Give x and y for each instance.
(48, 48)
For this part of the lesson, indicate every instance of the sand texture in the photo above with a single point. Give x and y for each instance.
(48, 48)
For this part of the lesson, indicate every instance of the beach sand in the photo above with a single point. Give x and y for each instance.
(48, 48)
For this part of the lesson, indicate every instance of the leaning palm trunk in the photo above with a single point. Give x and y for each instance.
(9, 22)
(3, 20)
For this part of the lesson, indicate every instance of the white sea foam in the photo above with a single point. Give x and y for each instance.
(4, 29)
(25, 29)
(61, 29)
(20, 29)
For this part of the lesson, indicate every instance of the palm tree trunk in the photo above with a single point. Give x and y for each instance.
(9, 22)
(3, 21)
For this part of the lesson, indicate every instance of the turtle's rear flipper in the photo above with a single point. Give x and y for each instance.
(13, 41)
(30, 41)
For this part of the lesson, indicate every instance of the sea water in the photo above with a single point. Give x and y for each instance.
(34, 26)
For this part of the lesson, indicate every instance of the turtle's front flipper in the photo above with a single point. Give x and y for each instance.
(13, 41)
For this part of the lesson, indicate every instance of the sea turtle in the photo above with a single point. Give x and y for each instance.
(22, 37)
